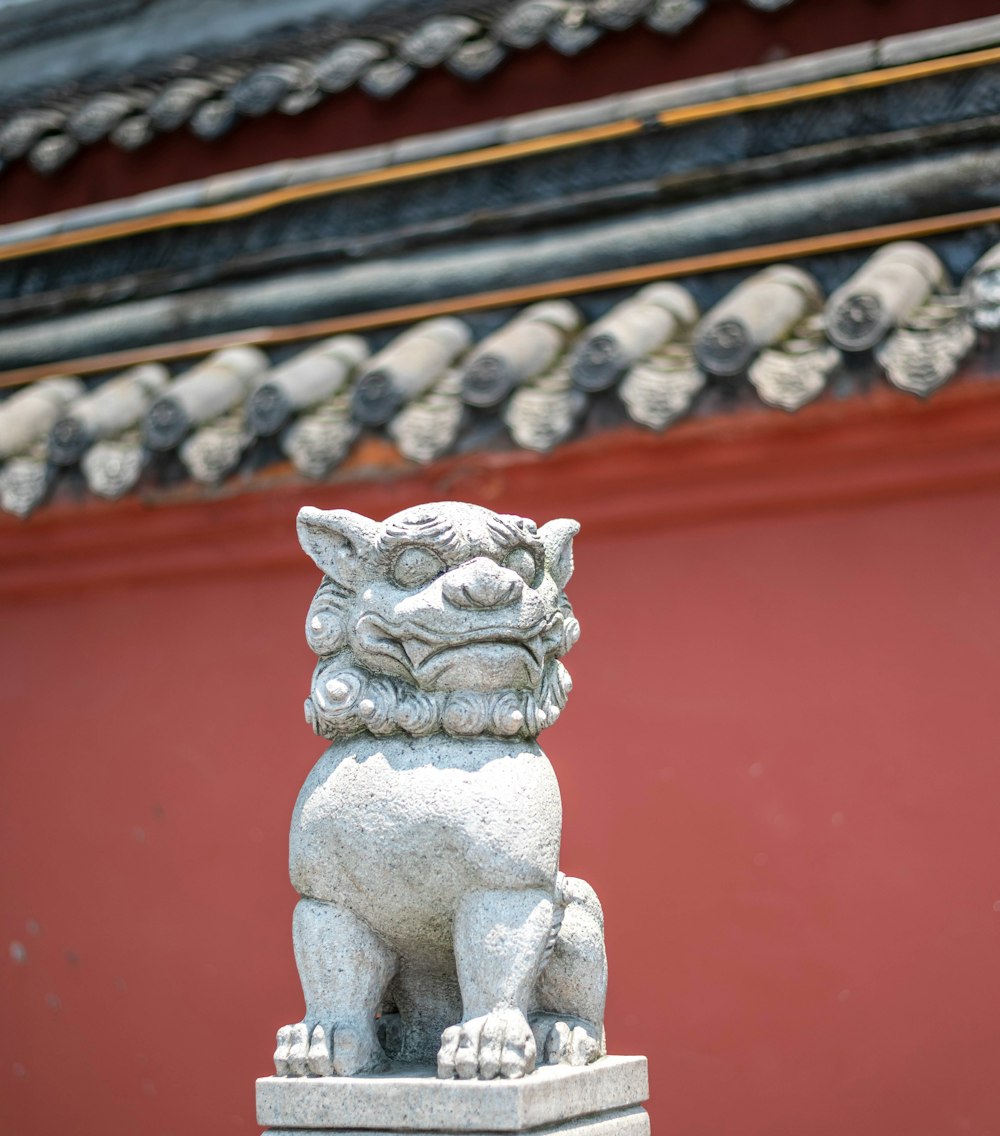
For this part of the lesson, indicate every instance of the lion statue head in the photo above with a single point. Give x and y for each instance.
(445, 617)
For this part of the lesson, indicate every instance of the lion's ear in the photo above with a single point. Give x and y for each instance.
(338, 541)
(557, 536)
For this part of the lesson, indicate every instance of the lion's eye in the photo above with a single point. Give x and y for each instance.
(416, 566)
(523, 563)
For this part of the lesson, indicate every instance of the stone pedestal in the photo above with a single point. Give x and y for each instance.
(602, 1099)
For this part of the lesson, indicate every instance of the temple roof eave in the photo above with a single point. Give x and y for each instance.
(534, 379)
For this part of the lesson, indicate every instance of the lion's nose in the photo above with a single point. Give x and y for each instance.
(481, 584)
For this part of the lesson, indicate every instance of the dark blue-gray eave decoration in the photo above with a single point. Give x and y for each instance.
(530, 378)
(77, 72)
(909, 149)
(74, 72)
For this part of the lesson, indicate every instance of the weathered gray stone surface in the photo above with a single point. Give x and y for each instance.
(405, 1100)
(625, 1122)
(435, 924)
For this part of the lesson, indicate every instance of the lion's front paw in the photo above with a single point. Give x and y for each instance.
(291, 1054)
(571, 1045)
(497, 1044)
(339, 1051)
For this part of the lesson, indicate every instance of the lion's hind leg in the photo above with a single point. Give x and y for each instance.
(344, 968)
(572, 987)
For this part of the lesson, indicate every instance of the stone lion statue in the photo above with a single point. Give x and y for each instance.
(434, 922)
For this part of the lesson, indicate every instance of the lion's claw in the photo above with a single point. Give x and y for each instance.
(319, 1060)
(291, 1053)
(570, 1046)
(497, 1044)
(335, 1051)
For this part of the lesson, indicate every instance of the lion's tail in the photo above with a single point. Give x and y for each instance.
(569, 890)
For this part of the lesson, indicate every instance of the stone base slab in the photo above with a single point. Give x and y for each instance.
(625, 1122)
(596, 1100)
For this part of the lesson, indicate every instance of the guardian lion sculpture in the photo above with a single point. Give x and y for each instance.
(434, 923)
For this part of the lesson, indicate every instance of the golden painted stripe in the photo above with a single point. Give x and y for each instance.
(261, 202)
(825, 88)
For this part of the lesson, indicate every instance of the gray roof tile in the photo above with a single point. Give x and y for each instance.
(893, 284)
(177, 101)
(113, 408)
(27, 416)
(386, 78)
(133, 116)
(810, 68)
(476, 58)
(210, 99)
(630, 332)
(671, 17)
(52, 152)
(685, 92)
(422, 146)
(593, 113)
(915, 46)
(434, 41)
(755, 315)
(95, 118)
(663, 387)
(306, 381)
(133, 132)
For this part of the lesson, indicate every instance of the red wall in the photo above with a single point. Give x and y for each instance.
(794, 827)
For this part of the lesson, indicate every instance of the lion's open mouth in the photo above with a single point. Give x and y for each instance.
(477, 659)
(422, 652)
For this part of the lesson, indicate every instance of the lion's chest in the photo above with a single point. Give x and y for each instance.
(404, 824)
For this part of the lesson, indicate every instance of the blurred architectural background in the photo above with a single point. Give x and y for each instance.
(720, 278)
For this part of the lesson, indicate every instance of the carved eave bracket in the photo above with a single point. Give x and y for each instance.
(319, 441)
(543, 415)
(211, 453)
(113, 467)
(429, 427)
(662, 388)
(981, 292)
(792, 373)
(24, 484)
(927, 349)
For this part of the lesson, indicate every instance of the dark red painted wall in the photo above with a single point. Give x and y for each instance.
(779, 769)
